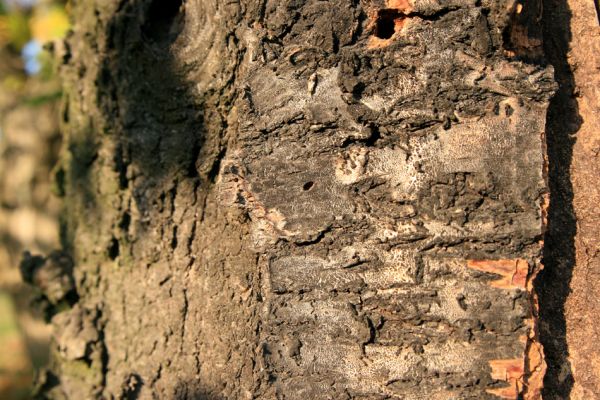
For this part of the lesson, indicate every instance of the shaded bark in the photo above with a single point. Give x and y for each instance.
(313, 199)
(569, 289)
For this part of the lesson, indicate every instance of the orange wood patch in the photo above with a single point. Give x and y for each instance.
(535, 370)
(524, 375)
(400, 5)
(512, 372)
(513, 273)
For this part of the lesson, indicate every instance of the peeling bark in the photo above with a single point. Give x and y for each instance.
(275, 200)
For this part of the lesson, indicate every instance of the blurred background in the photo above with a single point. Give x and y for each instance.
(29, 146)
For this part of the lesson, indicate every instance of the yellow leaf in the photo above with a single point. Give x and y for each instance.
(50, 24)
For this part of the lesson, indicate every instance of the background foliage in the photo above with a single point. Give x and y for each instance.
(29, 146)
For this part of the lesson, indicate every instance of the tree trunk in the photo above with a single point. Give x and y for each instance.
(570, 284)
(300, 200)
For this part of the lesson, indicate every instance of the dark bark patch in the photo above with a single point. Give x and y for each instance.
(125, 222)
(308, 185)
(162, 20)
(174, 239)
(554, 283)
(388, 22)
(522, 37)
(113, 249)
(131, 387)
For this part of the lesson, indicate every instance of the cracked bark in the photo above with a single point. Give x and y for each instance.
(293, 200)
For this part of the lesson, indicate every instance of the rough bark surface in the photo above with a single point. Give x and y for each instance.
(301, 199)
(583, 307)
(569, 287)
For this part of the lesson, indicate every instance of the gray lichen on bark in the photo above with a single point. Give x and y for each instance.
(301, 199)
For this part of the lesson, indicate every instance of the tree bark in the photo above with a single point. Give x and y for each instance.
(301, 199)
(569, 286)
